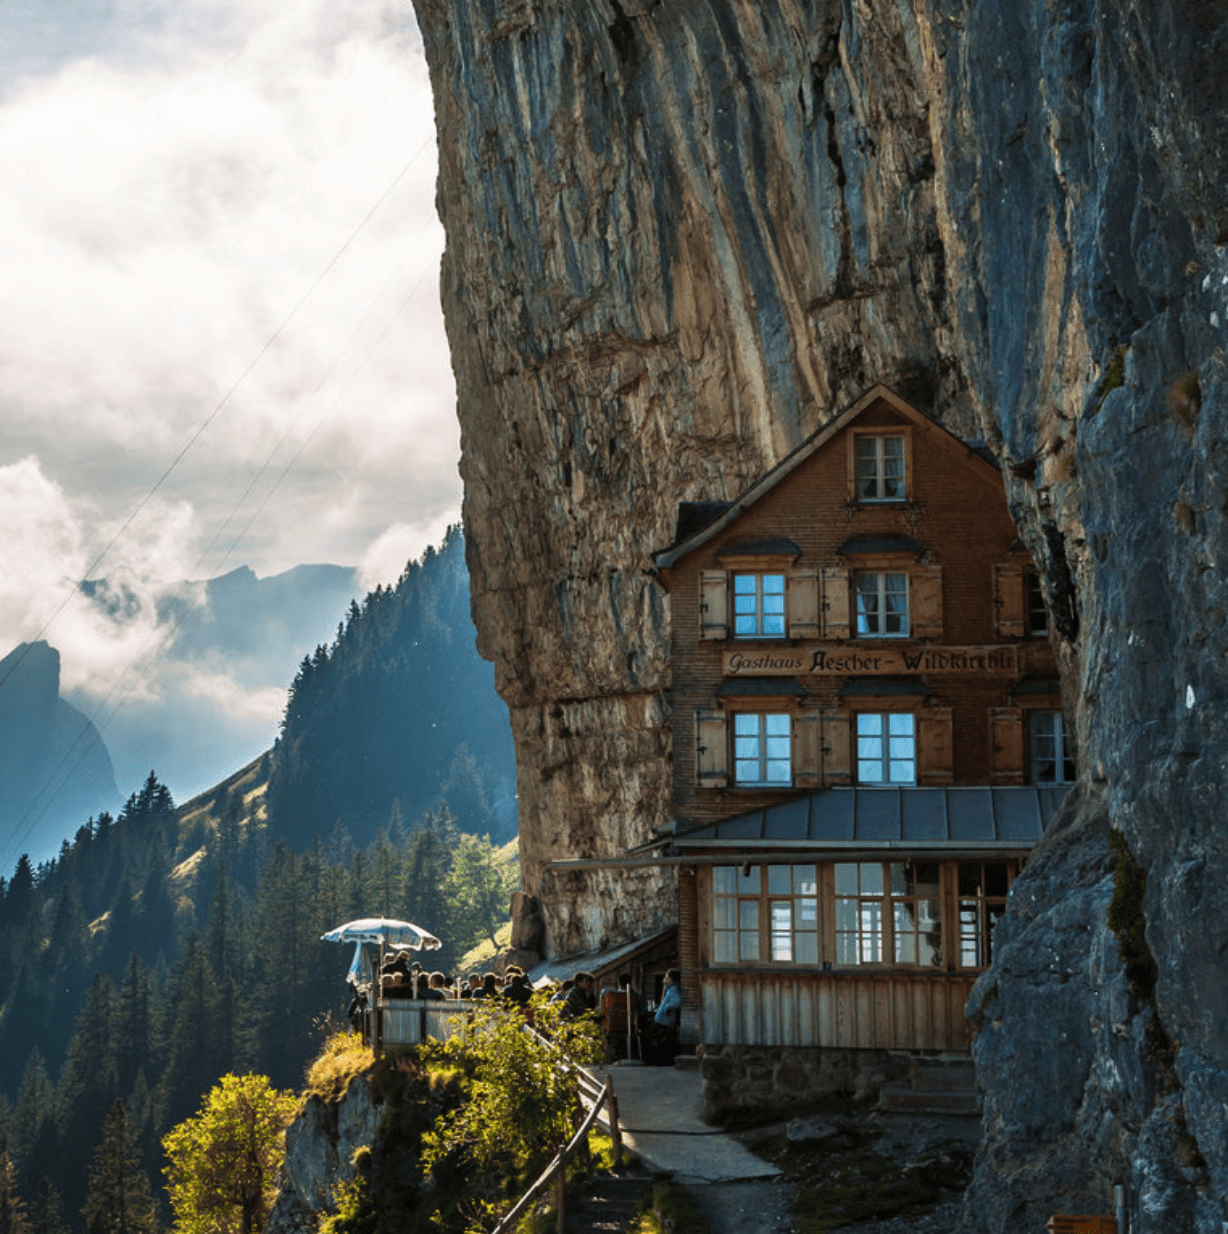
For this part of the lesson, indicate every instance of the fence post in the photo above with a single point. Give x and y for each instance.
(611, 1104)
(560, 1191)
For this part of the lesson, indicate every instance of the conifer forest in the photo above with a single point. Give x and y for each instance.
(171, 944)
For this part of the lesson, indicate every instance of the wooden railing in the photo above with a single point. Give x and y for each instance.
(555, 1171)
(597, 1097)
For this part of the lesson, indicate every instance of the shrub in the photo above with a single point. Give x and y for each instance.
(344, 1056)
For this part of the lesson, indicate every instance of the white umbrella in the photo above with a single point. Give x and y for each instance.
(383, 930)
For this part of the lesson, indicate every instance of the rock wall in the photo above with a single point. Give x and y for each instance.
(680, 237)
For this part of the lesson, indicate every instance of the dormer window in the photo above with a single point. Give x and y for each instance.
(880, 467)
(759, 605)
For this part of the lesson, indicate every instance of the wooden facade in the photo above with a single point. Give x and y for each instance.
(868, 737)
(884, 1011)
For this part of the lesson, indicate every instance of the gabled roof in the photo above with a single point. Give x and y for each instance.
(704, 520)
(916, 820)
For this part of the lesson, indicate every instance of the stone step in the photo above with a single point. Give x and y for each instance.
(898, 1099)
(606, 1205)
(952, 1077)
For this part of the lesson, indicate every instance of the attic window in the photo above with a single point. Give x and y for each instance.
(880, 467)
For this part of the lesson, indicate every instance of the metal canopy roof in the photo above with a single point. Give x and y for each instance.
(913, 818)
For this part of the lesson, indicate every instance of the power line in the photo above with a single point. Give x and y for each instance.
(33, 813)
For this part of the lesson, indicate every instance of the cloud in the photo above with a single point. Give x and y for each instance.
(386, 559)
(107, 642)
(241, 704)
(226, 184)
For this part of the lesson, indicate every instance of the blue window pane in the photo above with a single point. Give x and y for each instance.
(807, 947)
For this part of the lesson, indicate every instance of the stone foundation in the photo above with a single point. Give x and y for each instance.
(747, 1084)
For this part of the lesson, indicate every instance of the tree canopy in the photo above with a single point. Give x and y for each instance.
(223, 1162)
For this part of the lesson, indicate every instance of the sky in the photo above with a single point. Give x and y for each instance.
(220, 334)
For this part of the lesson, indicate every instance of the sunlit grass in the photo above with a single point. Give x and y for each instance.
(344, 1056)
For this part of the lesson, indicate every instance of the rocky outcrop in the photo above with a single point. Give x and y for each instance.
(321, 1147)
(680, 237)
(55, 771)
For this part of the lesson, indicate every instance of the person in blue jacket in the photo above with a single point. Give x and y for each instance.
(671, 1001)
(664, 1038)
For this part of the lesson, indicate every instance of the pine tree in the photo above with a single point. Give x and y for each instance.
(89, 1080)
(133, 1023)
(13, 1218)
(47, 1210)
(34, 1118)
(120, 1200)
(479, 888)
(191, 1060)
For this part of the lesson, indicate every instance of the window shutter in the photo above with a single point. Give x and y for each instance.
(712, 753)
(925, 602)
(802, 604)
(835, 748)
(1006, 735)
(806, 762)
(714, 604)
(935, 745)
(835, 602)
(1009, 600)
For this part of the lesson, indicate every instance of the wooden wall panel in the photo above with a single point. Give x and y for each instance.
(879, 1011)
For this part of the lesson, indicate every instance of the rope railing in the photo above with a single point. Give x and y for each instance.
(598, 1097)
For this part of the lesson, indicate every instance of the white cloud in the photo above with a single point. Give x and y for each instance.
(236, 702)
(387, 558)
(167, 205)
(193, 189)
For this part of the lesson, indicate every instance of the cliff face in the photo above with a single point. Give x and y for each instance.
(680, 237)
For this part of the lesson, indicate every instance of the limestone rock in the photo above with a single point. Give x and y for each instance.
(680, 237)
(320, 1148)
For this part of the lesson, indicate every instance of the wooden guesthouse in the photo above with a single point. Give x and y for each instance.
(868, 738)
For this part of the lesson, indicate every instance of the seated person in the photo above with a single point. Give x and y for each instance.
(396, 985)
(490, 987)
(517, 990)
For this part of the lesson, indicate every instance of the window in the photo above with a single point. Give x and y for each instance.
(735, 909)
(888, 910)
(761, 749)
(859, 913)
(916, 914)
(882, 604)
(982, 900)
(759, 605)
(1037, 614)
(1051, 758)
(790, 910)
(849, 913)
(880, 468)
(886, 748)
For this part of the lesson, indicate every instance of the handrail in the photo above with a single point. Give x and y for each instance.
(600, 1096)
(555, 1169)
